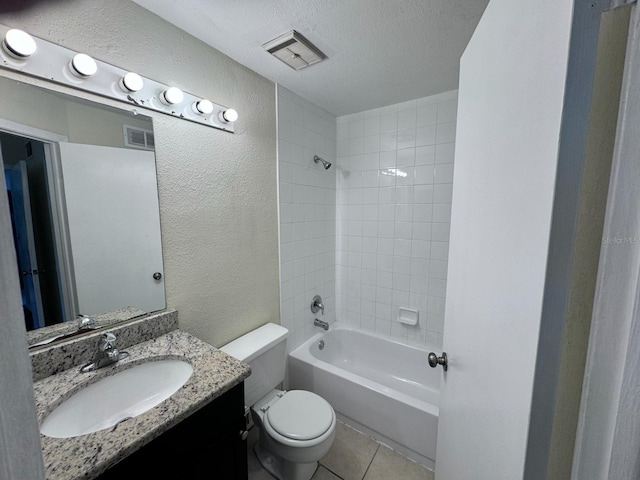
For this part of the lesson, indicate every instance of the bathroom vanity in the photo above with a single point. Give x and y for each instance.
(198, 432)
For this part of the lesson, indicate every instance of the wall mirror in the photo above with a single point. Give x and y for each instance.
(82, 189)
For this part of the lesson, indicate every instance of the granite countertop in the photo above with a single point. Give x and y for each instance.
(87, 456)
(100, 320)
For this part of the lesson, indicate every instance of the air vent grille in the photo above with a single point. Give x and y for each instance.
(137, 137)
(295, 50)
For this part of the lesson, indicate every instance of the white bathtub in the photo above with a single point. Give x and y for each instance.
(374, 383)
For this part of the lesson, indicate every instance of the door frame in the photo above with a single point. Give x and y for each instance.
(608, 441)
(51, 141)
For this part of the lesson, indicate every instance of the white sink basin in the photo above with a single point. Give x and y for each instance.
(115, 398)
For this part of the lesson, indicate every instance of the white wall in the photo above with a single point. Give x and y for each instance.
(394, 186)
(307, 213)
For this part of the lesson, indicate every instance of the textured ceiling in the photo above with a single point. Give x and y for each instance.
(380, 51)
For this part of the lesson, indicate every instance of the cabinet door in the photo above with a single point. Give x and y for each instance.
(206, 445)
(225, 457)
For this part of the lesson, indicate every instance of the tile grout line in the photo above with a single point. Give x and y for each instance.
(329, 470)
(372, 458)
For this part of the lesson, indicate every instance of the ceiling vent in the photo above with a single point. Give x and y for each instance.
(294, 50)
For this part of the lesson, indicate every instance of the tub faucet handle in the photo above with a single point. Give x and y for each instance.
(316, 304)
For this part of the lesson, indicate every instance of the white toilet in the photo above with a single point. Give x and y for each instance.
(297, 427)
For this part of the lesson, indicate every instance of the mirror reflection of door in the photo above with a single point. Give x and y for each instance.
(24, 166)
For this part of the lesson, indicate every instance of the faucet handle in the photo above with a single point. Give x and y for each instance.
(107, 341)
(316, 304)
(85, 321)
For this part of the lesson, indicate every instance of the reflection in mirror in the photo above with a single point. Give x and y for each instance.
(81, 183)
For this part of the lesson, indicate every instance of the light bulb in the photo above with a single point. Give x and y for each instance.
(19, 44)
(83, 65)
(131, 82)
(203, 107)
(172, 96)
(228, 115)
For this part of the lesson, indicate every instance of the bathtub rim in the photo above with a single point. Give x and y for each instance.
(303, 353)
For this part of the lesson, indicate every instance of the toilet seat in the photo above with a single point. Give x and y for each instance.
(300, 419)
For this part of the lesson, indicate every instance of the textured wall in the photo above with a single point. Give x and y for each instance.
(217, 190)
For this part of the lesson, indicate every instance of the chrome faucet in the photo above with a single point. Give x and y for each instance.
(321, 323)
(316, 304)
(107, 353)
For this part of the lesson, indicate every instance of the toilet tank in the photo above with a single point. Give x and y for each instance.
(265, 350)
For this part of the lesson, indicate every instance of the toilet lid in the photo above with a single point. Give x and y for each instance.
(300, 415)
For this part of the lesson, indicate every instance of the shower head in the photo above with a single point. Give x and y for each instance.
(325, 164)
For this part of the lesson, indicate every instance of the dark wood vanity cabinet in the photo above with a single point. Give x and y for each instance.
(207, 445)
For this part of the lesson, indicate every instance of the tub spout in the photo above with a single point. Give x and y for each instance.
(321, 323)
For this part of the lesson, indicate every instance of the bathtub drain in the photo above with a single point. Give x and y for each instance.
(321, 344)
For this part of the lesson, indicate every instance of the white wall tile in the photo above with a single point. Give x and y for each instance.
(447, 111)
(443, 173)
(372, 125)
(425, 155)
(406, 157)
(307, 227)
(356, 128)
(406, 138)
(424, 175)
(388, 141)
(388, 159)
(426, 135)
(446, 132)
(427, 115)
(442, 193)
(445, 153)
(372, 144)
(392, 209)
(389, 123)
(407, 119)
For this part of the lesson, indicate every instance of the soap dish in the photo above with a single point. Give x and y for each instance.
(407, 316)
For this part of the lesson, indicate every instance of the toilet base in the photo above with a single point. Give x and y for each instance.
(283, 469)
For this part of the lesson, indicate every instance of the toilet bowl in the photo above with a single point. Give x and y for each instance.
(297, 427)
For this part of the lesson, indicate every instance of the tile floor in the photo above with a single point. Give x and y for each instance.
(353, 456)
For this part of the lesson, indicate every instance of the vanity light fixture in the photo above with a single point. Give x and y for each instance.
(228, 115)
(203, 107)
(41, 59)
(172, 96)
(19, 44)
(131, 82)
(83, 66)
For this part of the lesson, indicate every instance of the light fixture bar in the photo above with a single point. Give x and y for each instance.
(55, 63)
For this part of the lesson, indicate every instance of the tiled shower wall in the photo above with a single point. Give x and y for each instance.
(394, 185)
(307, 197)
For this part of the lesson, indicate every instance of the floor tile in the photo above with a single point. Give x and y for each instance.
(388, 464)
(256, 472)
(324, 474)
(350, 454)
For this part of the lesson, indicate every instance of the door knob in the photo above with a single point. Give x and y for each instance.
(435, 360)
